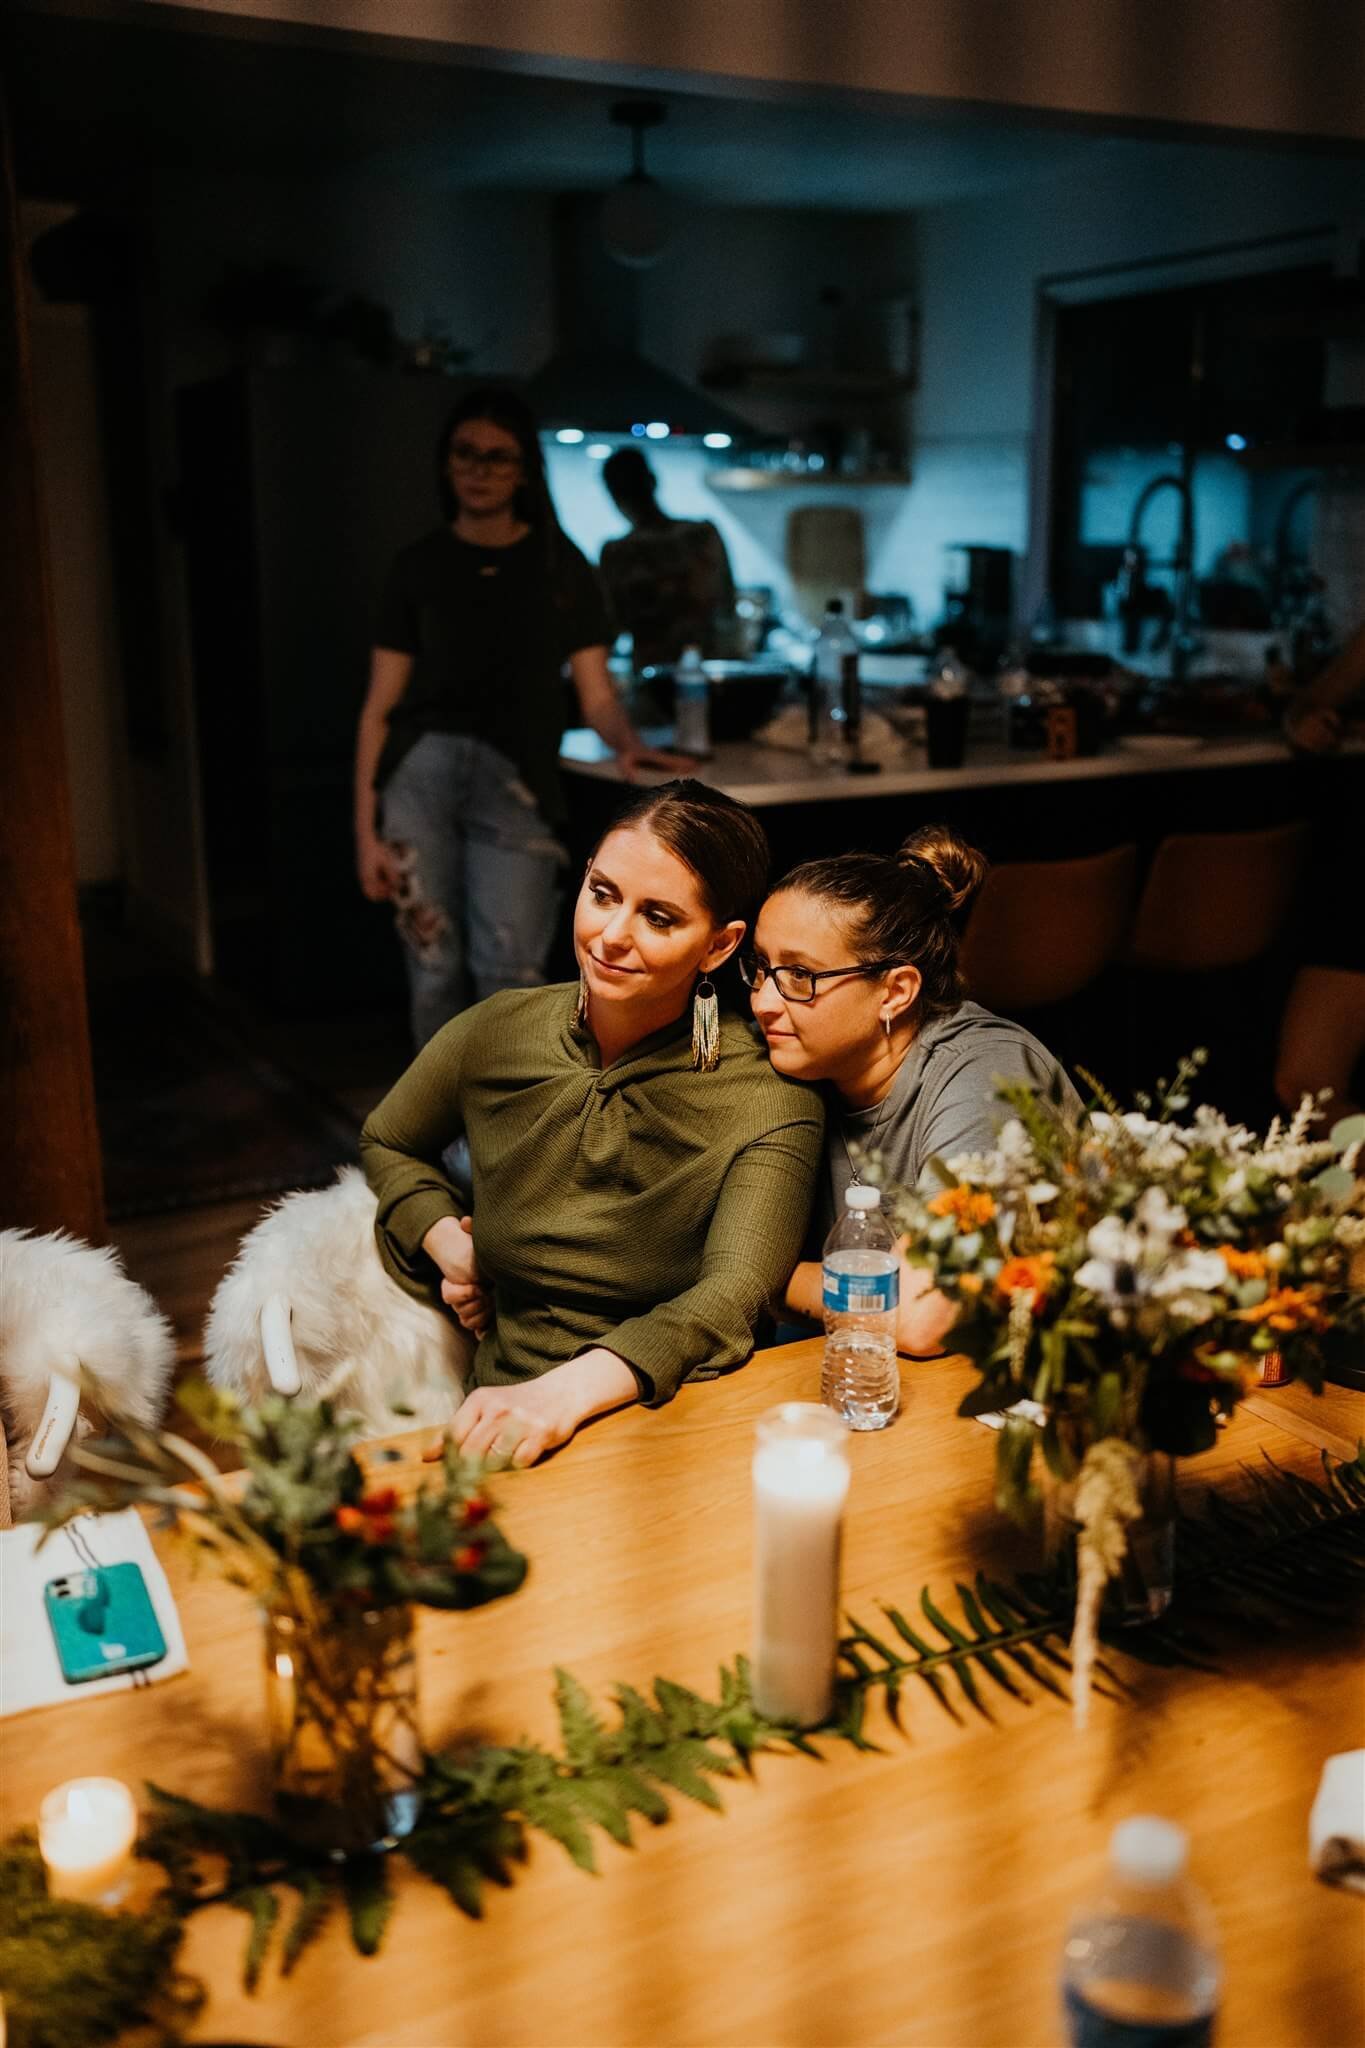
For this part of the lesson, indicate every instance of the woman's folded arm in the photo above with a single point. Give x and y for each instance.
(403, 1138)
(754, 1238)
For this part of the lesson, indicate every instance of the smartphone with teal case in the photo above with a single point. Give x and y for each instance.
(103, 1621)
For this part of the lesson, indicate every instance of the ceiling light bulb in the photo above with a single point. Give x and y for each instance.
(656, 430)
(598, 450)
(635, 223)
(570, 436)
(716, 440)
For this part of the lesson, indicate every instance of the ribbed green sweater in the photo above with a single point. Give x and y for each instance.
(644, 1207)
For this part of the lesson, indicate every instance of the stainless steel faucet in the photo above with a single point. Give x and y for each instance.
(1183, 641)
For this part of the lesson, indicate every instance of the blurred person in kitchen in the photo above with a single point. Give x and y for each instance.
(1322, 711)
(1322, 1032)
(668, 579)
(458, 803)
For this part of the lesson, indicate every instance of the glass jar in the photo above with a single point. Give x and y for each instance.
(1144, 1585)
(345, 1750)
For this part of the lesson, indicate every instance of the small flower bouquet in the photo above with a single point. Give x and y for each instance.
(1128, 1273)
(336, 1560)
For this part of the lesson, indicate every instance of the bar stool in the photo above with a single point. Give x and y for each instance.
(1041, 931)
(1202, 961)
(1216, 899)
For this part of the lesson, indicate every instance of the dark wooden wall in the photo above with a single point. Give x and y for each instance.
(49, 1144)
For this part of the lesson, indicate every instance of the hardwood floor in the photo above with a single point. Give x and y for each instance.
(180, 1258)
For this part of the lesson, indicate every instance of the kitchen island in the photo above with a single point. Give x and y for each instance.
(764, 775)
(1015, 805)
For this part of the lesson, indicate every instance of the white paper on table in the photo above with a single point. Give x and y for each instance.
(30, 1674)
(1336, 1825)
(1022, 1411)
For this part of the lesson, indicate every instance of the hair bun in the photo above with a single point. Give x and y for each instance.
(958, 868)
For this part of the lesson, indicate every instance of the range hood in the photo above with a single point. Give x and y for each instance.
(597, 379)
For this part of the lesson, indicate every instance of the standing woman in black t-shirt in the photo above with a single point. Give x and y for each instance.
(458, 801)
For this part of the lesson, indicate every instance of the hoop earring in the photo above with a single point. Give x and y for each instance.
(580, 1008)
(705, 1028)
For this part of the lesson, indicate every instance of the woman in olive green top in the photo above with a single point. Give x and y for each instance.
(642, 1178)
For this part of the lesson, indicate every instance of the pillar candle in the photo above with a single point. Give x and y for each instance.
(86, 1831)
(800, 1485)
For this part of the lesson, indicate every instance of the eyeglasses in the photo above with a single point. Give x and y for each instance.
(497, 461)
(800, 984)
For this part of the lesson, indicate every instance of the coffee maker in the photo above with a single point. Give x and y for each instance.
(978, 604)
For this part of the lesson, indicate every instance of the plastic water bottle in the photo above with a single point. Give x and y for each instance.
(1140, 1968)
(691, 705)
(860, 1376)
(838, 698)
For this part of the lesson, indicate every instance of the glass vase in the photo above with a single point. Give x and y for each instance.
(345, 1751)
(1142, 1589)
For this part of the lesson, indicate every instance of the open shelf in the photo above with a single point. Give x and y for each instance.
(806, 383)
(731, 481)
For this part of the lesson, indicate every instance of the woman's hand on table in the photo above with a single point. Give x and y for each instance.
(925, 1316)
(450, 1245)
(516, 1425)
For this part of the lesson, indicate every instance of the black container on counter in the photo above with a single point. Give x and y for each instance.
(744, 695)
(945, 729)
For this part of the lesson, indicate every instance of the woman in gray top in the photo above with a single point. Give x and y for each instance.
(855, 982)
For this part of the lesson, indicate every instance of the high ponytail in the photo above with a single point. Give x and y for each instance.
(904, 907)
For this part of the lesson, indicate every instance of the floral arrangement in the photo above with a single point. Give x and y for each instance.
(310, 1529)
(336, 1561)
(1128, 1273)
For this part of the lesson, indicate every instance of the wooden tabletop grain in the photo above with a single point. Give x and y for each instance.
(917, 1895)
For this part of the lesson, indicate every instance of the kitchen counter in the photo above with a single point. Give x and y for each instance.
(762, 775)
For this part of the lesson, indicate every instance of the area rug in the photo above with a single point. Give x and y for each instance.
(190, 1114)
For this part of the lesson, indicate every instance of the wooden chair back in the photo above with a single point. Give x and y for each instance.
(1216, 899)
(1040, 931)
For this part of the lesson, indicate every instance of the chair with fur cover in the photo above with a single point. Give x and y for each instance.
(70, 1317)
(307, 1305)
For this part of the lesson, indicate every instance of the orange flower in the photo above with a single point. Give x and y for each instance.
(350, 1521)
(969, 1283)
(1243, 1265)
(971, 1206)
(1287, 1308)
(469, 1559)
(1032, 1276)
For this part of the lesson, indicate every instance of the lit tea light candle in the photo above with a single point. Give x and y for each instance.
(86, 1831)
(800, 1486)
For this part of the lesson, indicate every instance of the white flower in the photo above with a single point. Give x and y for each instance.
(1202, 1271)
(1158, 1216)
(1132, 1260)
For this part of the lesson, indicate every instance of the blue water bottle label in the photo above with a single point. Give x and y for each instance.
(861, 1293)
(1089, 2027)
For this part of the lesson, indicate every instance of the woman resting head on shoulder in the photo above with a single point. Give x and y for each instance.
(855, 983)
(642, 1177)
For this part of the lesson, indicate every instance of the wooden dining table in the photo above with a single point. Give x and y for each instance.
(916, 1894)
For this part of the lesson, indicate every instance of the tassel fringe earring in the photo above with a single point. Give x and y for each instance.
(705, 1029)
(580, 1008)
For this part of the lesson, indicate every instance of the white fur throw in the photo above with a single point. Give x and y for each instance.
(67, 1308)
(357, 1338)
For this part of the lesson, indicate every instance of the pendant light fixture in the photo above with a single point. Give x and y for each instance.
(635, 214)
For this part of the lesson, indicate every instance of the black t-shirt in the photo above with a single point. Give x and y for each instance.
(489, 633)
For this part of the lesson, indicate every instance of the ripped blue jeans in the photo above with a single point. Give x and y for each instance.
(481, 876)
